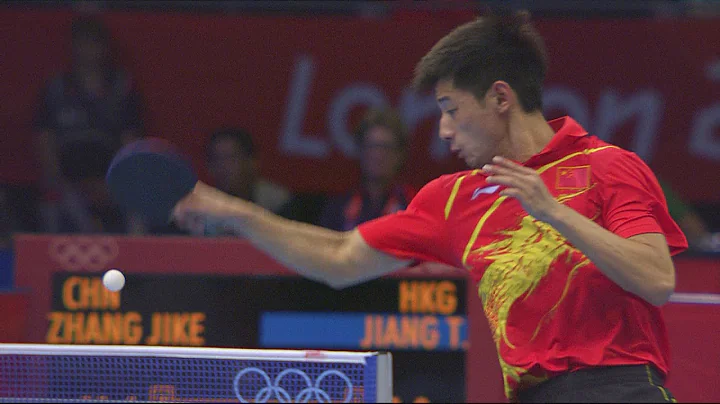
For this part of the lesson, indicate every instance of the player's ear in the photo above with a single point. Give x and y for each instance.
(503, 96)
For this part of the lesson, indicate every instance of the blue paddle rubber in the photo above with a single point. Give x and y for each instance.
(149, 177)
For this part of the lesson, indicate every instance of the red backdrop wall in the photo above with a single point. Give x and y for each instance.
(299, 85)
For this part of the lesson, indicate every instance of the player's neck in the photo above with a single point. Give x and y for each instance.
(528, 134)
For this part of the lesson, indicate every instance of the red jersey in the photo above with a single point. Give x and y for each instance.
(549, 308)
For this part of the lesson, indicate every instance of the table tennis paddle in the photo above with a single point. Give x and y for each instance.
(150, 176)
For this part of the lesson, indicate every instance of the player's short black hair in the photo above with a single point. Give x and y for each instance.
(239, 135)
(490, 48)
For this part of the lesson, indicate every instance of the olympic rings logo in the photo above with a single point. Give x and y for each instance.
(83, 253)
(283, 396)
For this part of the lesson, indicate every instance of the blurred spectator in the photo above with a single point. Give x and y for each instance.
(382, 141)
(690, 222)
(233, 162)
(234, 169)
(85, 116)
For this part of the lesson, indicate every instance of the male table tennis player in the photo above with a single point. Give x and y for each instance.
(568, 237)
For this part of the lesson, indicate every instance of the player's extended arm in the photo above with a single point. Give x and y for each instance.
(640, 264)
(339, 259)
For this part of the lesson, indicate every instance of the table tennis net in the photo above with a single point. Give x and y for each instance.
(74, 373)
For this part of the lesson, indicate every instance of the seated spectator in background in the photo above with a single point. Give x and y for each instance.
(382, 141)
(85, 116)
(690, 223)
(234, 169)
(233, 163)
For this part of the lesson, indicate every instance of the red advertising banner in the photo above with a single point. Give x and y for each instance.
(42, 261)
(299, 85)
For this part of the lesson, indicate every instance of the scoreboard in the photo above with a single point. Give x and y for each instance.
(422, 321)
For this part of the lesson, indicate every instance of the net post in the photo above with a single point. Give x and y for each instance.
(384, 378)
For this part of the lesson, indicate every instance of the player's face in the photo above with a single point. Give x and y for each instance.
(473, 128)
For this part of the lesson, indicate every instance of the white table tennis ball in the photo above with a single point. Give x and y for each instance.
(114, 280)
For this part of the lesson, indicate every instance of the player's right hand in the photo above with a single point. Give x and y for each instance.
(203, 205)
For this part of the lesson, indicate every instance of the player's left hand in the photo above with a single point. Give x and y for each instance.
(523, 184)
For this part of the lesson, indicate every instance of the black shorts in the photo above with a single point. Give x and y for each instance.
(608, 384)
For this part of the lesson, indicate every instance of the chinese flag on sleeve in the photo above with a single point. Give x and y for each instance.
(573, 177)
